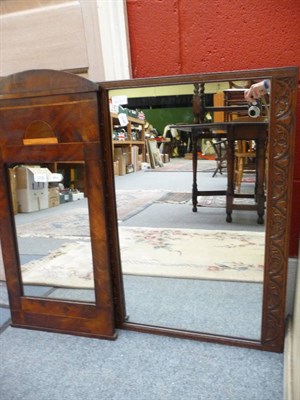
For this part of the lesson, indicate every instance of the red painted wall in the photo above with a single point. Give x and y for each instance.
(169, 37)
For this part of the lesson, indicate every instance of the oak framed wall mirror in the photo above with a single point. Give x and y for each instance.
(239, 296)
(49, 130)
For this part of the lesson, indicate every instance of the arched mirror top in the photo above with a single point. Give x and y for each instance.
(72, 99)
(49, 132)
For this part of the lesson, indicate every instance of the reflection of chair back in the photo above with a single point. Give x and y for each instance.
(234, 97)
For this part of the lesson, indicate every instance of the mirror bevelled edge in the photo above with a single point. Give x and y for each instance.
(281, 159)
(283, 103)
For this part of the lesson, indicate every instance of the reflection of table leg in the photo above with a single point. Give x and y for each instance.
(260, 195)
(195, 187)
(230, 179)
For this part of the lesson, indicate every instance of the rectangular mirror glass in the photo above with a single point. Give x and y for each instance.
(188, 270)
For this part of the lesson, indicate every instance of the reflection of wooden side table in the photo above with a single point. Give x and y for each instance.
(232, 131)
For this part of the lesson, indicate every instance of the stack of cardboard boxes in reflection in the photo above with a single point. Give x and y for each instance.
(34, 188)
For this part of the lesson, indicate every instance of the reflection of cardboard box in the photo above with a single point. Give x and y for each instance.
(139, 163)
(53, 192)
(134, 156)
(53, 197)
(32, 188)
(54, 201)
(122, 164)
(120, 156)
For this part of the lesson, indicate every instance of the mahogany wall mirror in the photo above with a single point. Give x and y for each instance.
(50, 128)
(162, 248)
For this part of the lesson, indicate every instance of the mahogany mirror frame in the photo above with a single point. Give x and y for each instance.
(282, 120)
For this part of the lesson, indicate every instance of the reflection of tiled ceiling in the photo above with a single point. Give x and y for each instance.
(11, 6)
(49, 36)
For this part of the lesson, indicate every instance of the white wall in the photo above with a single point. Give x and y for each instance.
(296, 342)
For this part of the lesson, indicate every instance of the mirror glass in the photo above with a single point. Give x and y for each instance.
(52, 223)
(182, 269)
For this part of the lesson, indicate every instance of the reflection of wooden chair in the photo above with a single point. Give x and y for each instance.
(220, 148)
(244, 155)
(266, 165)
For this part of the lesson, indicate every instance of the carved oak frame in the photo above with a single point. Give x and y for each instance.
(283, 101)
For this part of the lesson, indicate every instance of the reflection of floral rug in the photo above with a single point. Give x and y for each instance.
(181, 253)
(74, 222)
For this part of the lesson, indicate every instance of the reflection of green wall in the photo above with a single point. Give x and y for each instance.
(161, 117)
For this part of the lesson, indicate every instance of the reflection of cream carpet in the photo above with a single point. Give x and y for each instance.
(182, 253)
(75, 222)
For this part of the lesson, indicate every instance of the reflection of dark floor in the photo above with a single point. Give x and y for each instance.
(29, 290)
(73, 294)
(181, 216)
(196, 305)
(34, 248)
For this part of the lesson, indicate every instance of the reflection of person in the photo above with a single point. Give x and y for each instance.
(257, 90)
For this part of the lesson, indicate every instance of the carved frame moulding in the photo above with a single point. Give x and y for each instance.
(49, 116)
(90, 142)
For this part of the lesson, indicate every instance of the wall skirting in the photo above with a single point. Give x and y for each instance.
(287, 378)
(78, 35)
